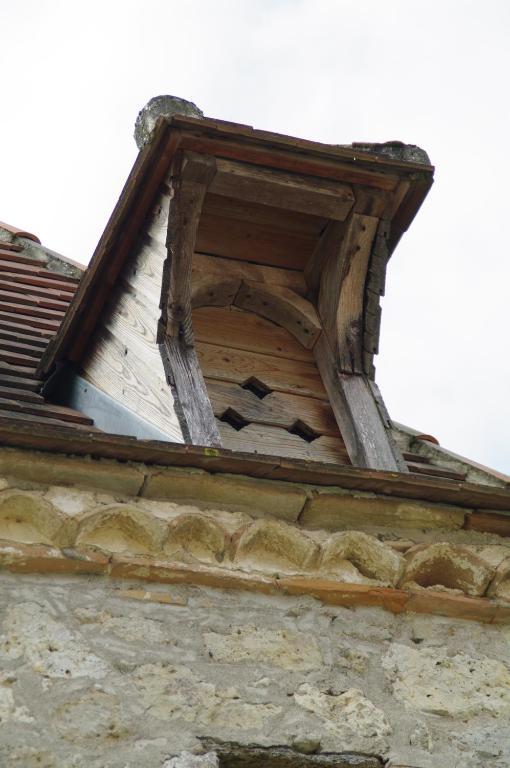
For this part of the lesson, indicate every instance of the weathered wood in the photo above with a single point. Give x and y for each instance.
(306, 194)
(329, 242)
(370, 201)
(276, 409)
(284, 307)
(123, 360)
(233, 328)
(210, 291)
(388, 425)
(297, 162)
(374, 288)
(133, 323)
(277, 373)
(277, 219)
(191, 399)
(274, 441)
(144, 271)
(251, 241)
(191, 177)
(335, 163)
(215, 266)
(358, 416)
(139, 384)
(344, 260)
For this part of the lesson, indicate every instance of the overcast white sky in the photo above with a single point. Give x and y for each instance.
(435, 73)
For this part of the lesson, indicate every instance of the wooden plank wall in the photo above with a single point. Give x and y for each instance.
(264, 386)
(123, 359)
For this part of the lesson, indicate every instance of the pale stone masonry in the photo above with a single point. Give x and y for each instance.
(116, 651)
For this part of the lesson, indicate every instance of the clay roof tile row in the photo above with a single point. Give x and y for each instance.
(33, 301)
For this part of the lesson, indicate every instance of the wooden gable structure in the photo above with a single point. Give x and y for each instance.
(233, 299)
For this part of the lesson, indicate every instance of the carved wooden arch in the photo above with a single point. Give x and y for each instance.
(282, 306)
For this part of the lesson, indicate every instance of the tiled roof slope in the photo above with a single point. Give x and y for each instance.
(34, 297)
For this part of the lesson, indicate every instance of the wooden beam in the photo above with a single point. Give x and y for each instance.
(284, 307)
(191, 176)
(191, 400)
(306, 194)
(338, 270)
(363, 427)
(190, 179)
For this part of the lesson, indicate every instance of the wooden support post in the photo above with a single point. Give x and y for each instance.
(191, 400)
(191, 176)
(362, 423)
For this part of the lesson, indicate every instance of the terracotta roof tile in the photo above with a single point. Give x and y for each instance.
(33, 300)
(19, 232)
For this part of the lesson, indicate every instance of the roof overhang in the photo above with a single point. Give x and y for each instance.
(408, 182)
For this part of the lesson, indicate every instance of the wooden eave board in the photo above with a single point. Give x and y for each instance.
(222, 129)
(224, 140)
(69, 441)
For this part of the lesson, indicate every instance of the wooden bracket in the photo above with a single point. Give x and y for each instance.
(338, 272)
(362, 419)
(190, 178)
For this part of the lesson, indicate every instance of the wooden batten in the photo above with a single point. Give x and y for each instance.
(304, 194)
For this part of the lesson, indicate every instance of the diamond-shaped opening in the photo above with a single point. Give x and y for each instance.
(234, 419)
(303, 431)
(257, 387)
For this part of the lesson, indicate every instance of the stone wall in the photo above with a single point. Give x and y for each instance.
(105, 674)
(117, 649)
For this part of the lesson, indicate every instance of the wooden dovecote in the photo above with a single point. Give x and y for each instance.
(271, 258)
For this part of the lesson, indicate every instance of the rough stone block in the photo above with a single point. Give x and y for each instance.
(446, 565)
(272, 545)
(257, 645)
(54, 469)
(459, 685)
(337, 510)
(233, 492)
